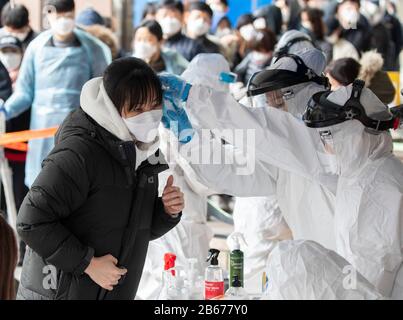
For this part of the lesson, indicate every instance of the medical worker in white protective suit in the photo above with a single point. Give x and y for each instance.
(367, 222)
(191, 237)
(292, 41)
(305, 205)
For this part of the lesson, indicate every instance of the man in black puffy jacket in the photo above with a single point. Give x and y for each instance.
(92, 211)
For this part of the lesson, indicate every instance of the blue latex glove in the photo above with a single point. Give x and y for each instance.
(176, 120)
(174, 87)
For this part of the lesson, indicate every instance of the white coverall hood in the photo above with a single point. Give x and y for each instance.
(298, 46)
(354, 144)
(299, 95)
(306, 270)
(205, 69)
(96, 103)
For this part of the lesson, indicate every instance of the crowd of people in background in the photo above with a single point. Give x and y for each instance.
(360, 38)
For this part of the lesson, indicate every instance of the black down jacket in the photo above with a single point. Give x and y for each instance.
(89, 201)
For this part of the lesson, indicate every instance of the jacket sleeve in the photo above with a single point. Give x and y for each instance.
(23, 96)
(5, 83)
(162, 222)
(60, 189)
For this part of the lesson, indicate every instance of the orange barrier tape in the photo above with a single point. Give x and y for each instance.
(20, 146)
(23, 136)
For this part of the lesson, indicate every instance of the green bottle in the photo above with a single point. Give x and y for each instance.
(236, 259)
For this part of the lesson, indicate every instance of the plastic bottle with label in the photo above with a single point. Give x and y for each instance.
(214, 278)
(236, 258)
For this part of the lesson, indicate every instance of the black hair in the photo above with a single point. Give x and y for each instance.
(244, 20)
(16, 18)
(149, 8)
(344, 70)
(266, 43)
(131, 82)
(171, 5)
(201, 6)
(61, 6)
(153, 26)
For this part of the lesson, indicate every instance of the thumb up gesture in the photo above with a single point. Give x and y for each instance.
(172, 198)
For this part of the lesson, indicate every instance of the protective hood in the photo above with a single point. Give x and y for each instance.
(293, 41)
(352, 143)
(304, 270)
(290, 82)
(96, 103)
(210, 70)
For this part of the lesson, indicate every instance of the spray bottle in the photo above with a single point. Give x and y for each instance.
(214, 279)
(236, 292)
(236, 258)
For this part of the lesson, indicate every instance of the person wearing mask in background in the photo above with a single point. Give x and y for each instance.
(312, 23)
(149, 11)
(260, 56)
(94, 207)
(8, 260)
(342, 72)
(55, 67)
(375, 78)
(170, 17)
(148, 46)
(11, 54)
(220, 14)
(198, 23)
(269, 16)
(392, 22)
(348, 24)
(16, 23)
(382, 33)
(92, 22)
(290, 10)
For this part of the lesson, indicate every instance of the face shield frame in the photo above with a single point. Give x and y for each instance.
(322, 113)
(270, 80)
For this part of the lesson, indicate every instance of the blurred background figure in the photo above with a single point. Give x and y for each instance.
(220, 20)
(148, 46)
(198, 20)
(92, 22)
(55, 67)
(170, 15)
(16, 23)
(312, 23)
(259, 58)
(8, 260)
(342, 72)
(149, 11)
(375, 77)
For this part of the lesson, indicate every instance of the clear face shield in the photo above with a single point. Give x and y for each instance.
(273, 99)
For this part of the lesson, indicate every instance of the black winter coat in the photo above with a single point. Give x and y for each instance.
(88, 201)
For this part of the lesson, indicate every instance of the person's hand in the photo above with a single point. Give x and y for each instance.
(104, 272)
(174, 87)
(172, 198)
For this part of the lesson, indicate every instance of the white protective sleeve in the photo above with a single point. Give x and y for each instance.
(280, 139)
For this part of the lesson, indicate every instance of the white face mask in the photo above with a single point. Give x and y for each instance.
(260, 23)
(198, 27)
(307, 25)
(248, 32)
(223, 32)
(170, 26)
(144, 50)
(20, 36)
(11, 60)
(144, 127)
(63, 26)
(260, 57)
(349, 19)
